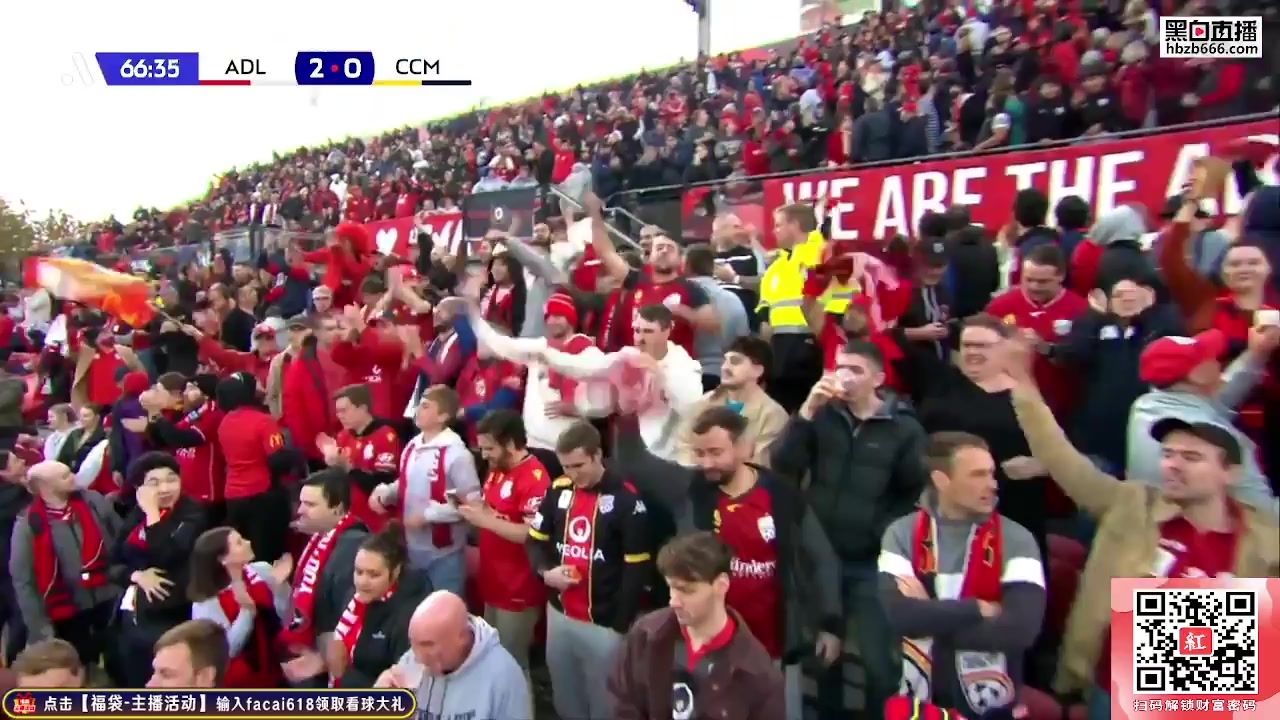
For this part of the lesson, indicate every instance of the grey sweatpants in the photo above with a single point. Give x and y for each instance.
(579, 659)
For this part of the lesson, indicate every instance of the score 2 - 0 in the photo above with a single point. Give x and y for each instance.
(334, 68)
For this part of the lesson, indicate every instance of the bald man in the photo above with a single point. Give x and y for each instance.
(59, 561)
(449, 644)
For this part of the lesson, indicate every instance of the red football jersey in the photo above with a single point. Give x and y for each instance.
(1052, 322)
(376, 450)
(676, 292)
(506, 579)
(747, 526)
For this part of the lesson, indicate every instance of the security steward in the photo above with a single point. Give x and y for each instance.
(590, 543)
(784, 307)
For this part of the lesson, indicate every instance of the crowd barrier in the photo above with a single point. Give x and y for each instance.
(880, 200)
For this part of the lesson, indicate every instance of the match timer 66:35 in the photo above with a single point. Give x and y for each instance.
(334, 68)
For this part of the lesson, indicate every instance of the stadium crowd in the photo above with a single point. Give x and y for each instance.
(925, 80)
(690, 482)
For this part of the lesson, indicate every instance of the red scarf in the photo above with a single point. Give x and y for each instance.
(311, 564)
(352, 622)
(190, 419)
(563, 384)
(256, 665)
(441, 533)
(138, 538)
(984, 564)
(59, 601)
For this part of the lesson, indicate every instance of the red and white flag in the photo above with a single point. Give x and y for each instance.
(125, 297)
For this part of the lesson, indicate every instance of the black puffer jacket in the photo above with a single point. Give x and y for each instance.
(863, 474)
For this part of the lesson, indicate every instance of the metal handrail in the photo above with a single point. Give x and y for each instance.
(618, 234)
(1125, 135)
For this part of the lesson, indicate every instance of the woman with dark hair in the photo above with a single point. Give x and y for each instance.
(85, 452)
(373, 629)
(257, 461)
(155, 545)
(249, 599)
(502, 299)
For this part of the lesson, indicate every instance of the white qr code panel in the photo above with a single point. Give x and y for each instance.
(1195, 642)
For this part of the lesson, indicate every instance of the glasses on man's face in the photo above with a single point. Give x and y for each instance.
(971, 345)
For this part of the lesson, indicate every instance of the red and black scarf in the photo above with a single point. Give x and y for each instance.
(138, 537)
(352, 622)
(189, 420)
(984, 563)
(311, 564)
(58, 597)
(256, 666)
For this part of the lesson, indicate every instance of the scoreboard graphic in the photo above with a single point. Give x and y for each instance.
(309, 67)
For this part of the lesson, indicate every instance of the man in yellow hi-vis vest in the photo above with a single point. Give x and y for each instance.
(797, 361)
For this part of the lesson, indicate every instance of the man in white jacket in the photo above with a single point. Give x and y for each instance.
(437, 472)
(656, 379)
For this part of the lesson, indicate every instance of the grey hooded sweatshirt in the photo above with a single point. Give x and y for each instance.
(1142, 461)
(489, 685)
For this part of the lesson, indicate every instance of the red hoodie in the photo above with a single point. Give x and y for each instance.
(374, 361)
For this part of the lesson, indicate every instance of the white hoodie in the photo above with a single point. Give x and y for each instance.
(489, 685)
(420, 464)
(679, 378)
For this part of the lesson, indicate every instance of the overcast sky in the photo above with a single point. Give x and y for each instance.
(91, 151)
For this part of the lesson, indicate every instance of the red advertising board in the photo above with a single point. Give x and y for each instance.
(394, 235)
(880, 202)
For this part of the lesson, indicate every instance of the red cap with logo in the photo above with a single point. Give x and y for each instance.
(1171, 359)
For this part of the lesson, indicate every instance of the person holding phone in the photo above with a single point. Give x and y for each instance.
(435, 465)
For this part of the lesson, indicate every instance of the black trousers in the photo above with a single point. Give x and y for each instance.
(134, 648)
(87, 631)
(262, 520)
(797, 367)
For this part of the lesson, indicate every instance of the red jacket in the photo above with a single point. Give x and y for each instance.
(306, 399)
(232, 361)
(1085, 260)
(375, 362)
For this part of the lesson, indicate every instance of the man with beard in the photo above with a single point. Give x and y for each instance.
(1041, 307)
(65, 528)
(770, 528)
(747, 362)
(193, 437)
(323, 575)
(660, 283)
(512, 491)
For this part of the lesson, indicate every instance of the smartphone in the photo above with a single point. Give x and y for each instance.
(1266, 318)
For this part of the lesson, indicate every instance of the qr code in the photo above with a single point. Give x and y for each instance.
(1195, 642)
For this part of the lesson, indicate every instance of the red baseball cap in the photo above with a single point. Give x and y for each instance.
(1171, 359)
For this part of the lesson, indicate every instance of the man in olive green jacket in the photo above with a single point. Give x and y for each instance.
(1136, 520)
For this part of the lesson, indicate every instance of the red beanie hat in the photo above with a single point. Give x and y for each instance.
(561, 304)
(135, 383)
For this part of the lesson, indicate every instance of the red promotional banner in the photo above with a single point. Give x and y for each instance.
(394, 235)
(880, 202)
